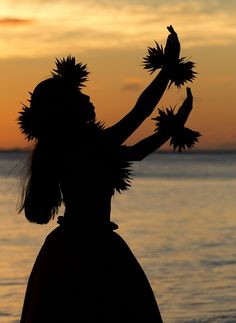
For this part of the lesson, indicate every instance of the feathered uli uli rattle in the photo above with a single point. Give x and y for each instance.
(181, 72)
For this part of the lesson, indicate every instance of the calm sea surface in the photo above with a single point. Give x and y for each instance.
(178, 218)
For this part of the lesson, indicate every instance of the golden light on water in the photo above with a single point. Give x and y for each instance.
(178, 218)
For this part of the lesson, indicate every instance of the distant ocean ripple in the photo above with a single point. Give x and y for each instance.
(178, 218)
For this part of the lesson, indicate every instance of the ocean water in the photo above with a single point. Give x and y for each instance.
(178, 218)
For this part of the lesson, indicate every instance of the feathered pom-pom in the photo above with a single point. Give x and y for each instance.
(68, 70)
(155, 58)
(185, 138)
(25, 120)
(183, 72)
(181, 69)
(165, 121)
(123, 176)
(181, 137)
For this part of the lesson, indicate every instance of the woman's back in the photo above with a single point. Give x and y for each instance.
(90, 172)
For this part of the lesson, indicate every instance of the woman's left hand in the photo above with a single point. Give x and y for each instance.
(185, 109)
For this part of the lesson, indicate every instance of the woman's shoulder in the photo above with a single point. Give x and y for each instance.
(54, 235)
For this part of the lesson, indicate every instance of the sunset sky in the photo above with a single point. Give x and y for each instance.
(112, 36)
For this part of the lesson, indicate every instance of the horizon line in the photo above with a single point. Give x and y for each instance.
(193, 151)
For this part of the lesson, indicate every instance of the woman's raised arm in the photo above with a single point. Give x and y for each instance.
(149, 144)
(149, 98)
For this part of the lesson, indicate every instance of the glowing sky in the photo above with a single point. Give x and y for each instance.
(112, 36)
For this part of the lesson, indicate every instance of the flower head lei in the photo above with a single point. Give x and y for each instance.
(67, 73)
(181, 68)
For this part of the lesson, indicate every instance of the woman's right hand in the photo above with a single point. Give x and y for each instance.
(172, 48)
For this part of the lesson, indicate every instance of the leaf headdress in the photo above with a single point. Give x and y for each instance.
(70, 72)
(67, 73)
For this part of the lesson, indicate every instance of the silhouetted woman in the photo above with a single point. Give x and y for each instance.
(85, 272)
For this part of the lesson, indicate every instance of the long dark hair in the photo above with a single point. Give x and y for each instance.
(41, 195)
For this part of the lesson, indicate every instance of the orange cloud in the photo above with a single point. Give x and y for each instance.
(91, 24)
(132, 84)
(11, 21)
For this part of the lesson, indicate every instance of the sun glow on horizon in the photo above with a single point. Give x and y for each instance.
(112, 37)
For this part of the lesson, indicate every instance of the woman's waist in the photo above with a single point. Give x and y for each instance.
(90, 224)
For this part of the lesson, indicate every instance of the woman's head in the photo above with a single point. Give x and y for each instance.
(60, 110)
(57, 104)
